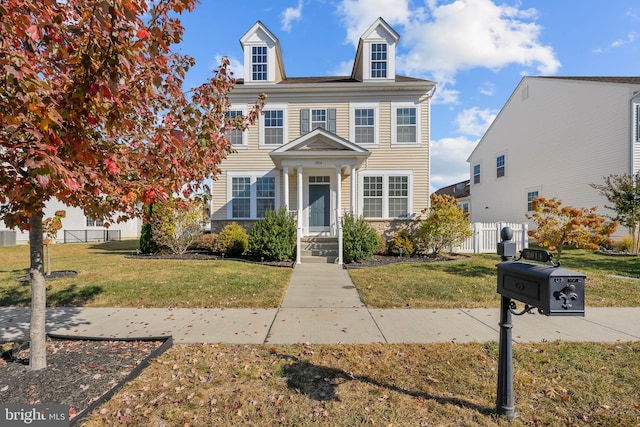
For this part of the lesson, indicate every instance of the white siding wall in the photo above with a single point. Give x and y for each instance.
(76, 220)
(558, 136)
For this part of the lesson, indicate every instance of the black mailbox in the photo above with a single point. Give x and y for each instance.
(554, 291)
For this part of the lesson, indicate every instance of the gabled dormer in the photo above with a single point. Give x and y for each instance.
(376, 55)
(262, 56)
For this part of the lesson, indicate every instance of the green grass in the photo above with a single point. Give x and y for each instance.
(568, 384)
(611, 282)
(107, 279)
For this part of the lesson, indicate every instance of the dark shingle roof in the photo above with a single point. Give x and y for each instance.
(334, 79)
(457, 190)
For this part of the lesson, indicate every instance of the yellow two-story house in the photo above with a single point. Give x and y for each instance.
(327, 145)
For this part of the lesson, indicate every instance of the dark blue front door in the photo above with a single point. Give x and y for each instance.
(319, 203)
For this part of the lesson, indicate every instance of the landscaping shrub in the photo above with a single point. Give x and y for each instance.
(147, 244)
(274, 236)
(445, 226)
(625, 244)
(382, 245)
(176, 224)
(360, 240)
(404, 240)
(208, 241)
(233, 240)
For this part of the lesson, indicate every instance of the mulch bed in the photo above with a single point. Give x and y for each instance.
(384, 260)
(78, 373)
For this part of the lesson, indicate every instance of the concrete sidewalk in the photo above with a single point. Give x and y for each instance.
(322, 306)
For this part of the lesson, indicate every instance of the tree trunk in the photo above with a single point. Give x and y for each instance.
(48, 260)
(37, 330)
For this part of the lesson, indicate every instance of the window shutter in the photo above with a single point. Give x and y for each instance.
(304, 121)
(331, 120)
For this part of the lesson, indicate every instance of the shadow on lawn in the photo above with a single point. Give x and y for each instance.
(71, 296)
(320, 382)
(117, 247)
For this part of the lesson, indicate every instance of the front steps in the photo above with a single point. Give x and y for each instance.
(319, 250)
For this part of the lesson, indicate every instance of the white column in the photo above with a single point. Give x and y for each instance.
(339, 212)
(299, 234)
(285, 177)
(352, 206)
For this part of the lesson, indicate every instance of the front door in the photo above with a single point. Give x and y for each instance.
(319, 206)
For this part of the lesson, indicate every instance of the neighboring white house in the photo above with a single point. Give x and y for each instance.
(76, 228)
(554, 137)
(327, 145)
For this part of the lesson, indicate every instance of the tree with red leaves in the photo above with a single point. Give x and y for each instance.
(93, 113)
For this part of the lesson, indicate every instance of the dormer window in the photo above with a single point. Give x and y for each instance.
(259, 62)
(378, 61)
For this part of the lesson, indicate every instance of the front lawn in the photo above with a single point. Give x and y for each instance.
(107, 279)
(611, 282)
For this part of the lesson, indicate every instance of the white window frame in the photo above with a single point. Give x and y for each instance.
(376, 122)
(265, 64)
(504, 165)
(394, 125)
(385, 174)
(253, 178)
(384, 61)
(636, 120)
(90, 222)
(314, 124)
(285, 138)
(479, 174)
(243, 111)
(529, 192)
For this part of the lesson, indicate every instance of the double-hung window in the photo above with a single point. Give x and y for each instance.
(379, 61)
(530, 196)
(318, 118)
(386, 194)
(476, 174)
(251, 194)
(241, 197)
(364, 126)
(500, 165)
(265, 195)
(92, 222)
(259, 63)
(405, 119)
(273, 127)
(235, 136)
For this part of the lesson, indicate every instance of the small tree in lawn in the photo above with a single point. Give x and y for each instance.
(50, 228)
(93, 113)
(446, 224)
(558, 226)
(623, 191)
(177, 224)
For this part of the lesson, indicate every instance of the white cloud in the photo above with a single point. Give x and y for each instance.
(291, 14)
(343, 68)
(235, 65)
(474, 121)
(487, 88)
(358, 15)
(630, 39)
(443, 39)
(449, 160)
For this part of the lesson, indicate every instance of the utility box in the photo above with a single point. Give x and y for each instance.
(554, 291)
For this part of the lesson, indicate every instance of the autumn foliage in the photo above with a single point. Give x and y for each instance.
(559, 226)
(446, 225)
(93, 113)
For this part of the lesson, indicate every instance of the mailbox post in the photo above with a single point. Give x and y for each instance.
(554, 291)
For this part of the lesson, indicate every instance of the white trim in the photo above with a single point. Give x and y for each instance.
(253, 175)
(353, 106)
(473, 173)
(499, 154)
(285, 137)
(385, 174)
(394, 126)
(243, 109)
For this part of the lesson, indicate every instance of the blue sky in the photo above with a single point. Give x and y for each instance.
(475, 50)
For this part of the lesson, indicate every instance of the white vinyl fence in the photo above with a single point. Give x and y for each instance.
(486, 236)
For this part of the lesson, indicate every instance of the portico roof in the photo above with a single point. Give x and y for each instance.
(319, 148)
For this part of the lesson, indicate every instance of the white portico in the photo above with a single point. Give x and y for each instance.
(320, 160)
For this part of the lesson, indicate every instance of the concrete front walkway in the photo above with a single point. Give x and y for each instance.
(322, 306)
